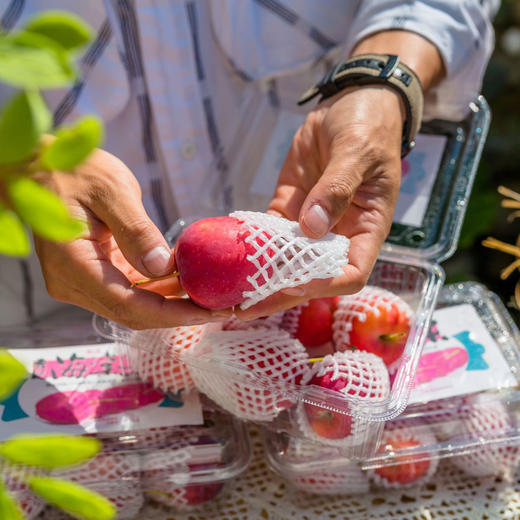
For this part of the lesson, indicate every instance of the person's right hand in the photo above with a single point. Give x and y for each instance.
(121, 245)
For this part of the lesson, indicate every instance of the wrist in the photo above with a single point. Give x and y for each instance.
(415, 51)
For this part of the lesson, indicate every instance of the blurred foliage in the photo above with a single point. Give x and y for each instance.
(41, 55)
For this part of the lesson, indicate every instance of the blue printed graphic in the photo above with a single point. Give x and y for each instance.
(12, 409)
(475, 351)
(172, 400)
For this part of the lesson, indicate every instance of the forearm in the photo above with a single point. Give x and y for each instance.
(415, 51)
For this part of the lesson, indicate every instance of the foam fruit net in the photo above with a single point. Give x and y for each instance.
(31, 504)
(347, 478)
(366, 379)
(268, 361)
(285, 257)
(370, 300)
(484, 419)
(156, 353)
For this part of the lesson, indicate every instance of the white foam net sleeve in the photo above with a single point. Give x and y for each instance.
(486, 419)
(248, 373)
(285, 257)
(369, 301)
(156, 355)
(291, 319)
(366, 378)
(422, 436)
(274, 321)
(347, 478)
(30, 504)
(104, 467)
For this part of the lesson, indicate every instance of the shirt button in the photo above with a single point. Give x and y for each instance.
(188, 151)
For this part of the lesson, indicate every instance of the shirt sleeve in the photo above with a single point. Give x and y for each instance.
(461, 30)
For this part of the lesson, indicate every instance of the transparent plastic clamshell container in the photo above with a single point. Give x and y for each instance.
(476, 434)
(415, 280)
(180, 466)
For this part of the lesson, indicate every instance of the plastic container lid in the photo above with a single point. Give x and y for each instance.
(437, 179)
(477, 431)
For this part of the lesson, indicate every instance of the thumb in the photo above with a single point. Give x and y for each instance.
(140, 241)
(330, 197)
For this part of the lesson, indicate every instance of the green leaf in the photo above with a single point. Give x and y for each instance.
(66, 29)
(42, 210)
(73, 498)
(12, 373)
(13, 237)
(49, 451)
(23, 120)
(33, 62)
(9, 508)
(73, 144)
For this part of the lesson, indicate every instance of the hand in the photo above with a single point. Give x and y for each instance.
(121, 245)
(342, 173)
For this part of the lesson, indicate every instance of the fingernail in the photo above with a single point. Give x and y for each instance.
(317, 220)
(294, 291)
(157, 260)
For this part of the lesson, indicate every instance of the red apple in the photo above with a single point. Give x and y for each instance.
(314, 326)
(373, 320)
(406, 469)
(357, 374)
(212, 261)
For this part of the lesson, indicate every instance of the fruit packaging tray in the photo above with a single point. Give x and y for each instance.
(178, 452)
(416, 281)
(475, 428)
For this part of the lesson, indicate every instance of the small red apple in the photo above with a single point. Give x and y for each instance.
(357, 374)
(212, 261)
(312, 321)
(406, 469)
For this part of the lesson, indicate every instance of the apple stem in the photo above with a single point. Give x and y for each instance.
(150, 280)
(392, 336)
(315, 359)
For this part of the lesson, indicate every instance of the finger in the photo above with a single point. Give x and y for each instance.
(333, 192)
(117, 202)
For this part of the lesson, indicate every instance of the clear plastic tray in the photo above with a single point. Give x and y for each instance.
(180, 466)
(476, 432)
(435, 237)
(416, 281)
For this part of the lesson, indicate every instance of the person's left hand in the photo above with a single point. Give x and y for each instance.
(341, 174)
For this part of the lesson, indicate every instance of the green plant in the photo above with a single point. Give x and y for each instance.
(41, 56)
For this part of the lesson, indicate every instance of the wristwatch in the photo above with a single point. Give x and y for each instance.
(387, 69)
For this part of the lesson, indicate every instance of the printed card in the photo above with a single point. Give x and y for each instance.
(89, 389)
(459, 357)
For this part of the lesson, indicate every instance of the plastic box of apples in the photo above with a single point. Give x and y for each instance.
(474, 427)
(333, 369)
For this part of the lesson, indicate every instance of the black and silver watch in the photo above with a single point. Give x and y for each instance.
(366, 69)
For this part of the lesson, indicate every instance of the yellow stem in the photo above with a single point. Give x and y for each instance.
(506, 272)
(315, 359)
(506, 192)
(151, 280)
(493, 243)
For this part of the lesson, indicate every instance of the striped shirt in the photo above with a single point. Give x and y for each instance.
(198, 96)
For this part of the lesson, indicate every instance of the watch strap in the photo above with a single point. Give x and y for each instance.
(367, 69)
